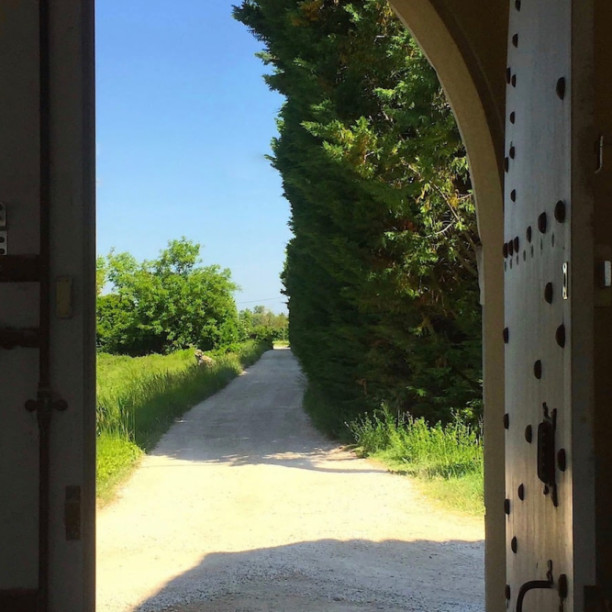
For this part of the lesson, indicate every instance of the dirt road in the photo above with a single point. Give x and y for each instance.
(244, 507)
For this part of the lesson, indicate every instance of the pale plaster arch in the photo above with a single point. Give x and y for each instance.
(466, 44)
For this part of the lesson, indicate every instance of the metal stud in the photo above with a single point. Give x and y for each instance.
(560, 88)
(562, 459)
(537, 369)
(563, 586)
(560, 211)
(548, 293)
(560, 335)
(542, 223)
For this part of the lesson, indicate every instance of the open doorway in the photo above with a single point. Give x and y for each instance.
(65, 578)
(235, 459)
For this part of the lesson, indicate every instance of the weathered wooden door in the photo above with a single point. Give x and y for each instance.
(548, 300)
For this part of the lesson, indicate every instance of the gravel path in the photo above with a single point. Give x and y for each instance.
(244, 507)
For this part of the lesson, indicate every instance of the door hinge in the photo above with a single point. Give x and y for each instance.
(11, 338)
(72, 513)
(19, 269)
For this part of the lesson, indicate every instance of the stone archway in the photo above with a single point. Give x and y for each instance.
(467, 47)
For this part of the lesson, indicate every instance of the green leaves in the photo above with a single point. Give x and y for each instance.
(169, 303)
(381, 272)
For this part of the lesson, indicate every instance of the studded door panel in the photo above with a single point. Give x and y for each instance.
(537, 306)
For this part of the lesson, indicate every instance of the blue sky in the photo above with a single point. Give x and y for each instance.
(184, 120)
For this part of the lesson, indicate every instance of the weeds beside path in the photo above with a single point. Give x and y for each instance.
(445, 461)
(140, 397)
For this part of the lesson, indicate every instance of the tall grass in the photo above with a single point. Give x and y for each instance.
(138, 398)
(448, 459)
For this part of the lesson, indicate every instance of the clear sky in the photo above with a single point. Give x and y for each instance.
(184, 120)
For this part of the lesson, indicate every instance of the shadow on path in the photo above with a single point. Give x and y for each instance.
(332, 576)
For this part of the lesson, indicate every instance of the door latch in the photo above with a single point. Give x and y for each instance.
(549, 583)
(547, 469)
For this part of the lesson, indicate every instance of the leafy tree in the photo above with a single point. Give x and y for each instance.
(100, 274)
(381, 272)
(169, 303)
(262, 324)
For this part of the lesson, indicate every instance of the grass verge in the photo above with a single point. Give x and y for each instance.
(447, 461)
(140, 397)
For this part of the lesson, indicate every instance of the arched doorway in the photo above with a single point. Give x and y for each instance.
(452, 41)
(47, 64)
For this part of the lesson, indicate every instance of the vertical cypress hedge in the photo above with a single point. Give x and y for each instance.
(381, 272)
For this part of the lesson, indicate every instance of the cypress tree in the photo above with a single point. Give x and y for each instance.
(381, 272)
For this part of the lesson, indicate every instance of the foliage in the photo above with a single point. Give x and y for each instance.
(115, 457)
(447, 451)
(381, 272)
(139, 398)
(166, 304)
(262, 324)
(448, 458)
(331, 419)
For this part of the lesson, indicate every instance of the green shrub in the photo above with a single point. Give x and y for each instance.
(448, 451)
(329, 418)
(115, 457)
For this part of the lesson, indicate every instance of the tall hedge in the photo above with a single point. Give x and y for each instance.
(381, 272)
